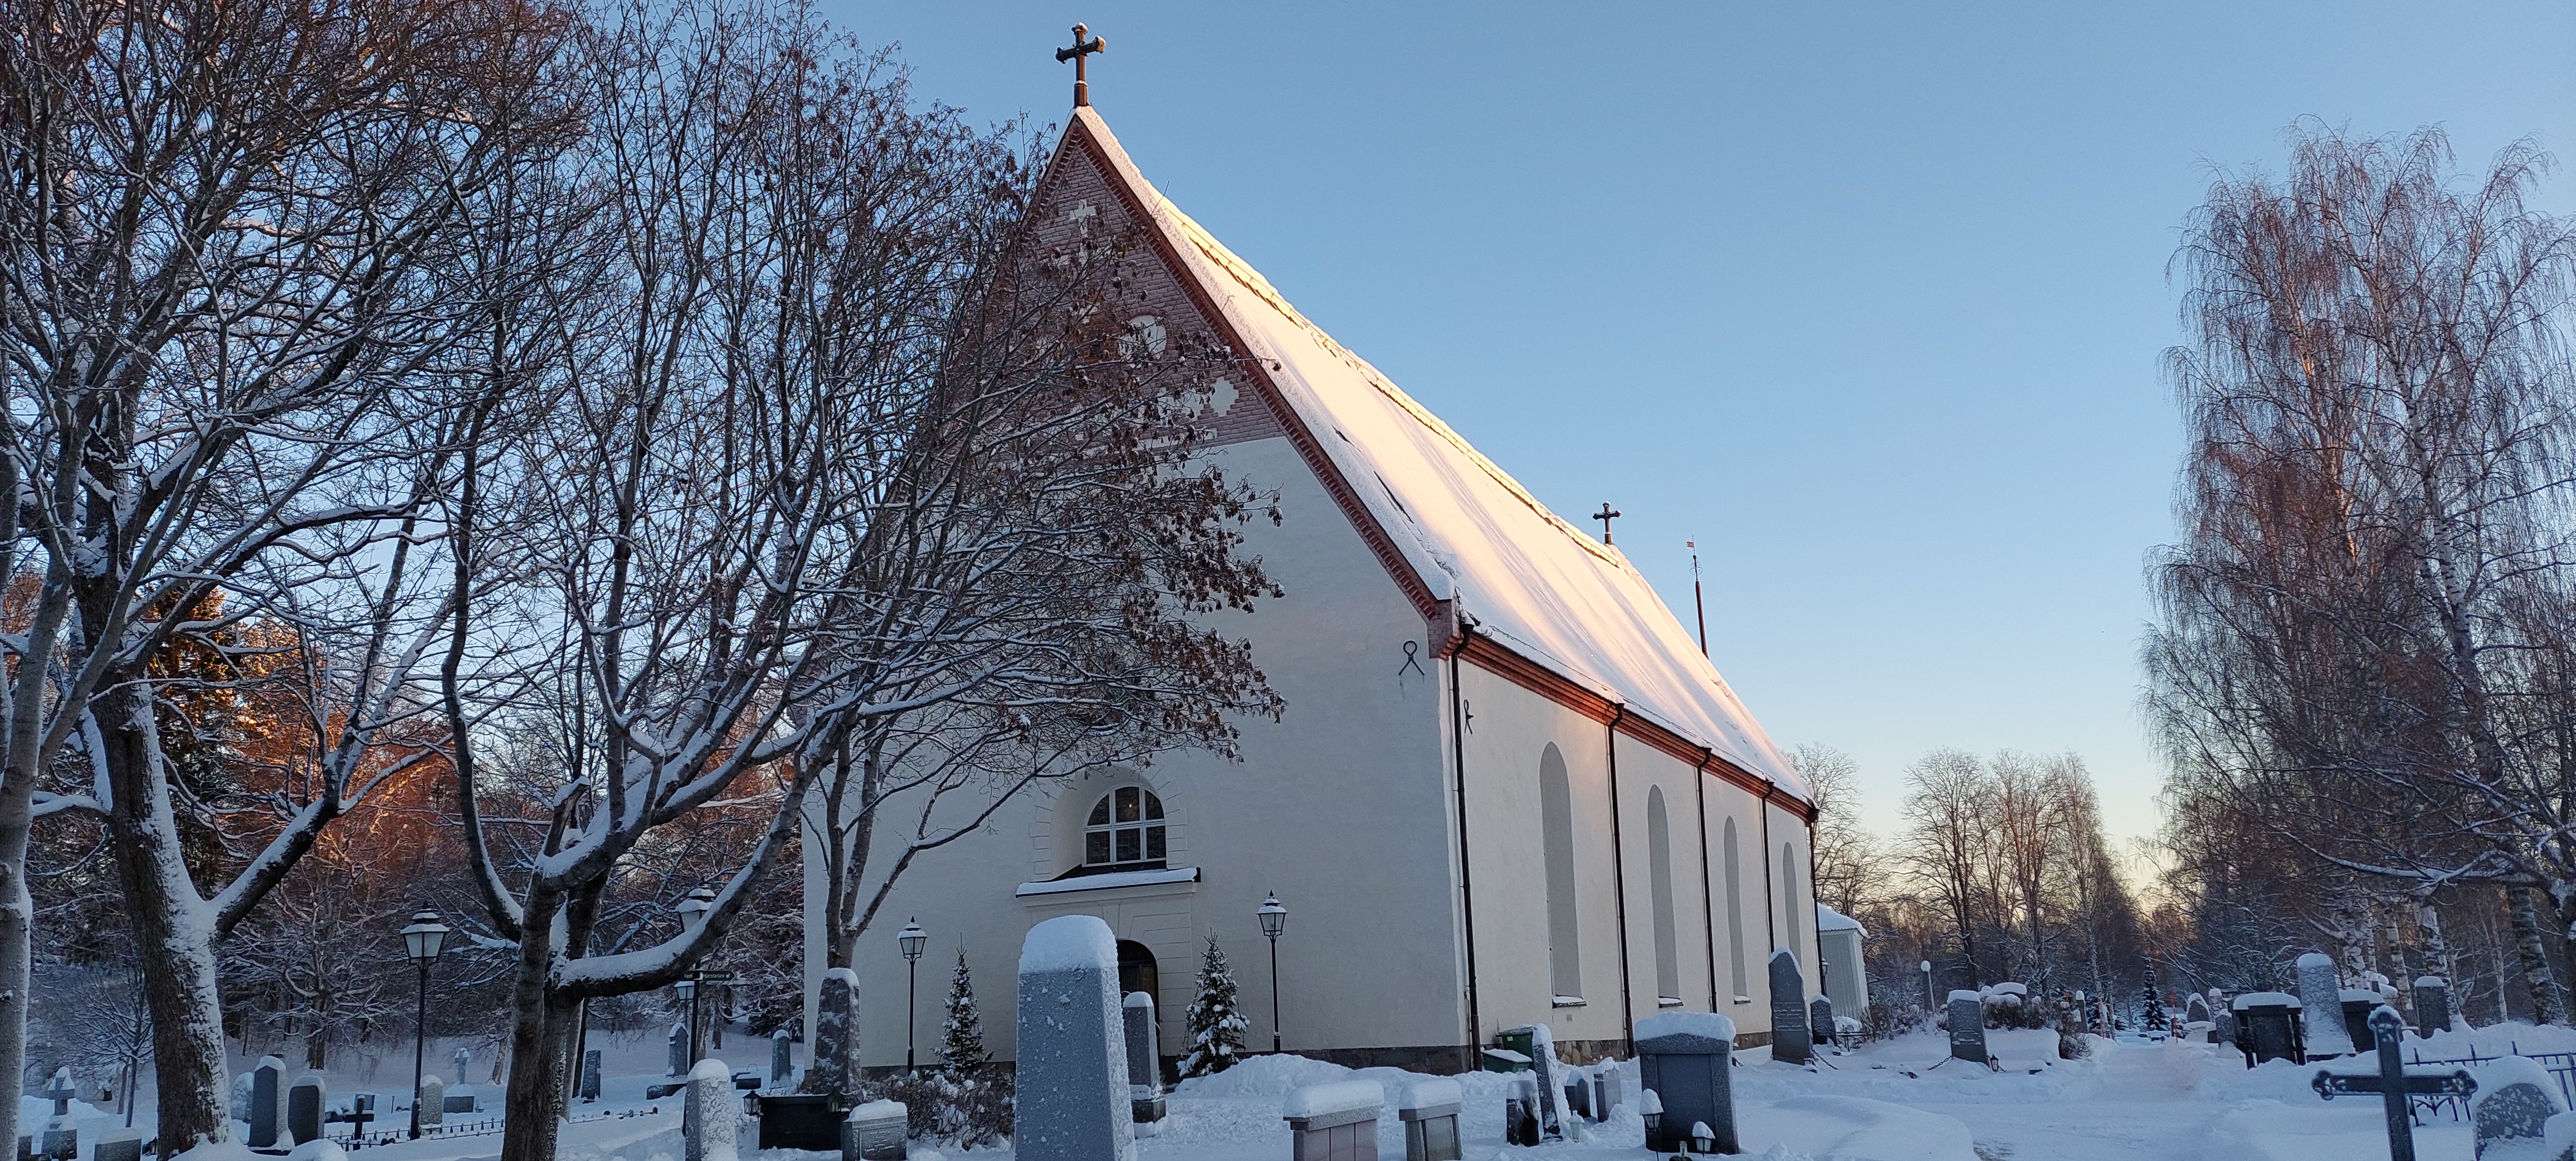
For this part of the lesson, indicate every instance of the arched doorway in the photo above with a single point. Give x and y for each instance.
(1137, 971)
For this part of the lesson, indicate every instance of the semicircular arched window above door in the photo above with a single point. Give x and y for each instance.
(1125, 829)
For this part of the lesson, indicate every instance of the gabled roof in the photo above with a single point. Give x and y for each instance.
(1463, 529)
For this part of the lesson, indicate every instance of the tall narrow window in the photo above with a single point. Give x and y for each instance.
(1735, 913)
(1659, 879)
(1797, 921)
(1556, 821)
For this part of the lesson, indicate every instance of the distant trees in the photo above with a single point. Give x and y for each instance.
(2364, 666)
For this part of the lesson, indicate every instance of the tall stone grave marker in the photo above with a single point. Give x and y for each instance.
(2321, 1008)
(304, 1109)
(62, 1141)
(709, 1131)
(1073, 1103)
(2432, 1005)
(267, 1101)
(1791, 1043)
(1549, 1105)
(782, 1058)
(1684, 1061)
(590, 1074)
(834, 1069)
(679, 1050)
(1967, 1026)
(1144, 1062)
(431, 1100)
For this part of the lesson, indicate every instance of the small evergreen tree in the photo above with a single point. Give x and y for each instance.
(1216, 1021)
(2151, 1013)
(961, 1041)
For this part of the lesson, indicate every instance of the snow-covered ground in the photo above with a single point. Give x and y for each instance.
(1896, 1100)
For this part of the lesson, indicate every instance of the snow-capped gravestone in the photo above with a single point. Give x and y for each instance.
(1429, 1110)
(2432, 1005)
(1334, 1122)
(1967, 1026)
(2268, 1027)
(1790, 1041)
(2511, 1111)
(304, 1109)
(241, 1097)
(2195, 1009)
(1548, 1105)
(267, 1101)
(1683, 1059)
(1820, 1020)
(782, 1059)
(431, 1100)
(2357, 1006)
(875, 1132)
(2321, 1008)
(590, 1074)
(61, 1139)
(460, 1099)
(834, 1068)
(678, 1050)
(1072, 1067)
(709, 1131)
(1144, 1062)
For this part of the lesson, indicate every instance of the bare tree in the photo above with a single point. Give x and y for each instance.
(1847, 859)
(1948, 814)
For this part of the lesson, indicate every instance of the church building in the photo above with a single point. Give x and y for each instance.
(1509, 788)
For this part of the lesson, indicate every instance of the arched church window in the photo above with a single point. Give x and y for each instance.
(1556, 826)
(1126, 826)
(1659, 880)
(1798, 920)
(1735, 914)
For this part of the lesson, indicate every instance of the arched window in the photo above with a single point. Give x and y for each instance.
(1659, 879)
(1735, 913)
(1798, 922)
(1556, 819)
(1126, 828)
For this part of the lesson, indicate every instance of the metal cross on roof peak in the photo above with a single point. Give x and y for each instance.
(1081, 48)
(1605, 516)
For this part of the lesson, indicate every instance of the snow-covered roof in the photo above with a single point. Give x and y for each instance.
(1521, 574)
(1828, 919)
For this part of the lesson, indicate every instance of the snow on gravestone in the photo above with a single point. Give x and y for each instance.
(875, 1132)
(677, 1049)
(2432, 1005)
(782, 1058)
(834, 1067)
(1334, 1122)
(1144, 1062)
(1549, 1105)
(1429, 1110)
(2195, 1009)
(317, 1151)
(241, 1097)
(709, 1131)
(1968, 1026)
(1683, 1059)
(2321, 1008)
(304, 1109)
(590, 1074)
(431, 1100)
(1072, 1063)
(267, 1094)
(61, 1140)
(1820, 1020)
(1790, 1041)
(2511, 1111)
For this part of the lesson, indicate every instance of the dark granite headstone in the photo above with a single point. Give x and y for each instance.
(2268, 1027)
(782, 1059)
(304, 1109)
(1685, 1060)
(1144, 1060)
(834, 1066)
(1820, 1019)
(1791, 1043)
(2432, 1005)
(678, 1051)
(2195, 1008)
(590, 1074)
(1967, 1026)
(267, 1098)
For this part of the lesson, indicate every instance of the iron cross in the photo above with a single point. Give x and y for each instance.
(1605, 516)
(1081, 48)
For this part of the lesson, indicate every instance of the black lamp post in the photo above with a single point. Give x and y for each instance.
(911, 939)
(421, 941)
(1274, 920)
(693, 911)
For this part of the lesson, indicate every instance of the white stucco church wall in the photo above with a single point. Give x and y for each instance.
(1506, 789)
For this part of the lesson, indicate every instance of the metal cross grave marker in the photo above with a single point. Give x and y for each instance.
(2392, 1084)
(1081, 48)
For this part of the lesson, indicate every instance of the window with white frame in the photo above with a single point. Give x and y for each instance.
(1126, 828)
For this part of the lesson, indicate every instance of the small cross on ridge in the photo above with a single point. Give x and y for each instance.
(1081, 48)
(1605, 516)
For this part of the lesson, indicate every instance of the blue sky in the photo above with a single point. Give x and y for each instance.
(1867, 299)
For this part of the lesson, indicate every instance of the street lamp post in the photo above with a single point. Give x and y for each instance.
(1930, 1001)
(1274, 920)
(911, 939)
(421, 941)
(693, 911)
(688, 986)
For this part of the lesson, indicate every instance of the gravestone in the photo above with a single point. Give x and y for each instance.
(1820, 1019)
(2432, 1005)
(241, 1097)
(304, 1109)
(1548, 1103)
(1790, 1041)
(2195, 1009)
(1072, 1049)
(2268, 1027)
(1429, 1110)
(709, 1130)
(782, 1059)
(2357, 1004)
(590, 1074)
(61, 1139)
(1334, 1122)
(267, 1101)
(1967, 1026)
(2510, 1113)
(2395, 1087)
(834, 1067)
(1144, 1062)
(875, 1132)
(1520, 1112)
(678, 1050)
(1683, 1062)
(2222, 1015)
(1605, 1088)
(1578, 1096)
(431, 1100)
(459, 1099)
(2321, 1008)
(119, 1145)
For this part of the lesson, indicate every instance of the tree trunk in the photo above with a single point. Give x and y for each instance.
(533, 1100)
(172, 925)
(2547, 1006)
(17, 935)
